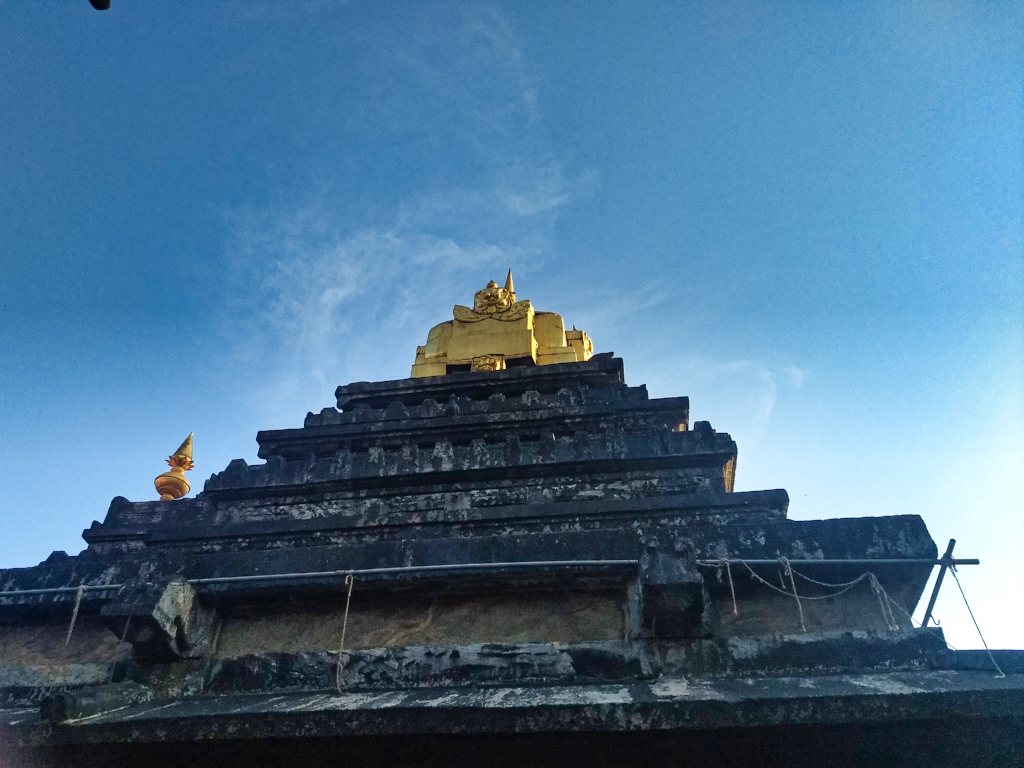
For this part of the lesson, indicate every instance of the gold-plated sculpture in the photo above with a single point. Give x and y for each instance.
(172, 484)
(488, 363)
(496, 332)
(493, 303)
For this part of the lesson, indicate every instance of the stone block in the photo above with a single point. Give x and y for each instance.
(161, 622)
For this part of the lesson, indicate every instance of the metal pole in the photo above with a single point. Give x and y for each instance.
(946, 561)
(410, 569)
(59, 590)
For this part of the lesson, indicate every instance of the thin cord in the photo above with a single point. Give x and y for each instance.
(883, 603)
(830, 585)
(768, 584)
(124, 634)
(787, 593)
(844, 587)
(792, 581)
(723, 563)
(989, 652)
(732, 589)
(910, 617)
(74, 613)
(350, 582)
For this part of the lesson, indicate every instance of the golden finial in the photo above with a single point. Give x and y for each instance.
(172, 484)
(509, 286)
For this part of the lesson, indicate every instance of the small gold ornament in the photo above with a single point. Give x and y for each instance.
(172, 484)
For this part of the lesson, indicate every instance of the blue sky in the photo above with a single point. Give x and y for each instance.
(805, 216)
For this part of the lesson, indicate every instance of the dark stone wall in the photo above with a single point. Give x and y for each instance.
(945, 743)
(507, 471)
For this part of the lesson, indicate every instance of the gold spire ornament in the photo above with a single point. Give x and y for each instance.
(172, 484)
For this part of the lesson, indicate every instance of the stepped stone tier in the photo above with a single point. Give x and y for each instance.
(532, 565)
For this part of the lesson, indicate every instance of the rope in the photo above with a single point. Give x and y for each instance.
(992, 658)
(124, 634)
(842, 588)
(793, 594)
(732, 589)
(766, 583)
(829, 584)
(349, 582)
(74, 613)
(214, 643)
(895, 603)
(886, 602)
(792, 581)
(883, 603)
(848, 586)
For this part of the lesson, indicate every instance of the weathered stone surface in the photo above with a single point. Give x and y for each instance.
(382, 620)
(161, 622)
(65, 705)
(534, 550)
(665, 704)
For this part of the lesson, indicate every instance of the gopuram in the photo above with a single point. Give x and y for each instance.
(510, 558)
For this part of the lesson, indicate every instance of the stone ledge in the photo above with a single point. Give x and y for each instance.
(669, 703)
(600, 371)
(769, 504)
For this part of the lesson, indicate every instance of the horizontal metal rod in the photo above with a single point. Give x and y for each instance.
(484, 566)
(864, 561)
(58, 590)
(411, 569)
(338, 573)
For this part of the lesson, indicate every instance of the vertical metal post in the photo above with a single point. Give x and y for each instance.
(946, 562)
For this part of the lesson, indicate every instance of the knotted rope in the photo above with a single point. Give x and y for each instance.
(792, 581)
(883, 603)
(782, 590)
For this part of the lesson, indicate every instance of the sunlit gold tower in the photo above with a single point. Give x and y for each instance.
(499, 331)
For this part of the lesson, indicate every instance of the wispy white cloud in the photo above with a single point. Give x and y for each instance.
(747, 388)
(459, 66)
(323, 294)
(488, 25)
(314, 307)
(738, 396)
(604, 308)
(267, 13)
(535, 191)
(796, 375)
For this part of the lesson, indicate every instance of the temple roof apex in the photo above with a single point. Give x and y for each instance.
(498, 331)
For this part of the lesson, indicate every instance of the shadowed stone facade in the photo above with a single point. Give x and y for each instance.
(537, 565)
